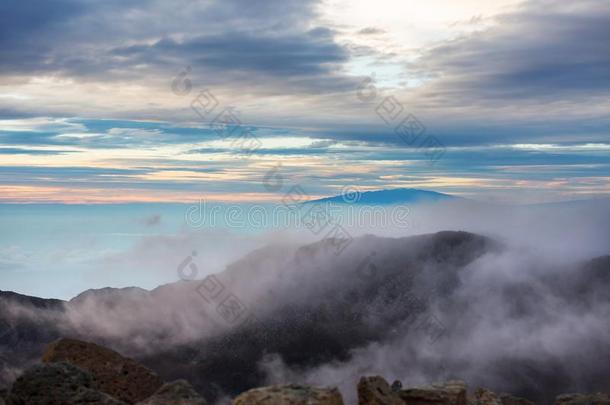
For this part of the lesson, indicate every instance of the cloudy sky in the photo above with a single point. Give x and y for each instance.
(158, 101)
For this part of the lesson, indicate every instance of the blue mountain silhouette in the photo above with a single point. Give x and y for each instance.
(386, 197)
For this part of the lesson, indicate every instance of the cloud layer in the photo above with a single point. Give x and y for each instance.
(81, 81)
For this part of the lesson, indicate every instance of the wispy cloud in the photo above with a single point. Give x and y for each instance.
(507, 86)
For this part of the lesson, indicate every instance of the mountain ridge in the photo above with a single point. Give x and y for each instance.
(314, 307)
(386, 197)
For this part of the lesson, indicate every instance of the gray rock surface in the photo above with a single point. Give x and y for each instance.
(582, 399)
(178, 392)
(116, 375)
(510, 400)
(449, 393)
(376, 391)
(291, 394)
(57, 384)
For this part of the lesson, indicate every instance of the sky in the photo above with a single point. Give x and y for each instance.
(115, 114)
(105, 101)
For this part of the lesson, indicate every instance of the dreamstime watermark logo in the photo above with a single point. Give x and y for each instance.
(226, 125)
(187, 269)
(296, 208)
(316, 217)
(273, 180)
(366, 269)
(182, 85)
(408, 128)
(196, 215)
(350, 194)
(419, 318)
(422, 320)
(214, 293)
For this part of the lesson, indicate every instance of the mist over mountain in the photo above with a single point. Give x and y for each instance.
(422, 308)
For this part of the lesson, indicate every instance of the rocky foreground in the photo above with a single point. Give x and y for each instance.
(73, 372)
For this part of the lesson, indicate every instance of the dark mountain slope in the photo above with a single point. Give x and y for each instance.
(310, 306)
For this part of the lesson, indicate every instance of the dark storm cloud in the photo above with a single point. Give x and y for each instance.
(28, 30)
(545, 51)
(548, 49)
(109, 39)
(272, 14)
(293, 55)
(493, 130)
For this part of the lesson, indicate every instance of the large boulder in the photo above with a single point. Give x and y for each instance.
(485, 397)
(450, 393)
(482, 396)
(291, 394)
(179, 392)
(57, 384)
(510, 400)
(118, 376)
(376, 391)
(582, 399)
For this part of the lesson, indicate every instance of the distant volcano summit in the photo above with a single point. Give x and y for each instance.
(386, 197)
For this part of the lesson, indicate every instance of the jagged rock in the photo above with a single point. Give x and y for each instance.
(178, 392)
(582, 399)
(396, 386)
(376, 391)
(450, 393)
(291, 394)
(57, 384)
(485, 397)
(510, 400)
(118, 376)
